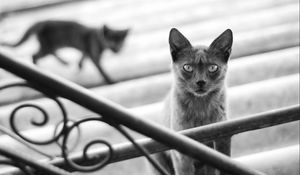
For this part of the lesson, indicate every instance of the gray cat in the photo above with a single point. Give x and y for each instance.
(53, 35)
(197, 97)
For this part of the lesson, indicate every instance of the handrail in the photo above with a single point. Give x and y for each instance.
(125, 151)
(54, 85)
(11, 154)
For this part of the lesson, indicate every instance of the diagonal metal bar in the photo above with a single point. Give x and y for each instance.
(49, 83)
(210, 132)
(143, 151)
(43, 167)
(21, 167)
(20, 140)
(125, 151)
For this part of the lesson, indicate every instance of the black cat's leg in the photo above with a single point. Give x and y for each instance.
(164, 160)
(45, 48)
(38, 55)
(95, 55)
(202, 168)
(80, 63)
(224, 146)
(105, 76)
(183, 164)
(102, 72)
(60, 59)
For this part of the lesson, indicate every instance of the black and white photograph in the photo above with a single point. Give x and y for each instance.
(149, 87)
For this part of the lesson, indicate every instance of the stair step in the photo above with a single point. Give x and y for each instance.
(205, 29)
(277, 162)
(248, 43)
(152, 89)
(243, 100)
(197, 28)
(281, 161)
(134, 13)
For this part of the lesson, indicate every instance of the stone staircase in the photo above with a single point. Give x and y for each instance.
(263, 71)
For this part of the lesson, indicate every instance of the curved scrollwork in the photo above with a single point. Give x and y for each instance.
(98, 162)
(43, 120)
(61, 136)
(58, 130)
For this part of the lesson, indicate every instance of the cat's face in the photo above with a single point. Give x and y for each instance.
(200, 70)
(114, 38)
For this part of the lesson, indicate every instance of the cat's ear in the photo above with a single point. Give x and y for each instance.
(105, 29)
(177, 42)
(126, 31)
(222, 44)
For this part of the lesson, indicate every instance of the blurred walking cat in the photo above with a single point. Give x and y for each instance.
(53, 35)
(197, 97)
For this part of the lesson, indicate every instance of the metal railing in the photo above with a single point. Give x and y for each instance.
(125, 151)
(116, 116)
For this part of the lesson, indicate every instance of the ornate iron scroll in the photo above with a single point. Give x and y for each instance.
(60, 136)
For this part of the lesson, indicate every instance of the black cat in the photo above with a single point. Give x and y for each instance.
(53, 35)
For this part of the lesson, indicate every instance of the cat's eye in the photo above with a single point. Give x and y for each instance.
(188, 68)
(213, 68)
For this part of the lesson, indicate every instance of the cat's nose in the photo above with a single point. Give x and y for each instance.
(201, 83)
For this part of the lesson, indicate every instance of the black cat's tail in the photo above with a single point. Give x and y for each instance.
(32, 30)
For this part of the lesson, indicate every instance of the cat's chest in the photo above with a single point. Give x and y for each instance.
(189, 114)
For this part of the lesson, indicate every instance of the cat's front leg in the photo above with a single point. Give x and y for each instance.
(224, 146)
(183, 165)
(96, 58)
(95, 53)
(80, 63)
(103, 73)
(164, 160)
(203, 168)
(60, 59)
